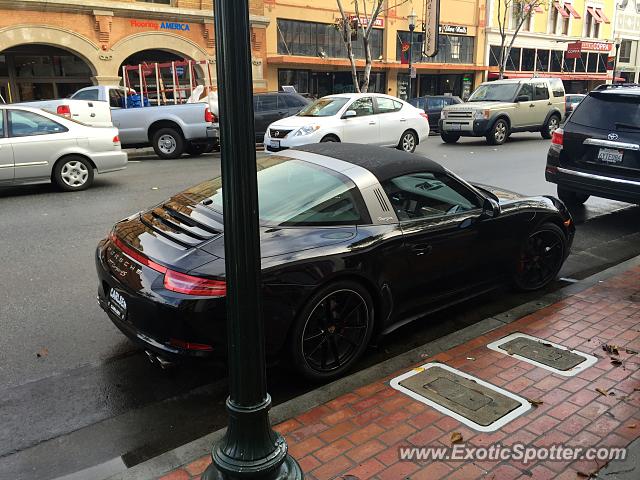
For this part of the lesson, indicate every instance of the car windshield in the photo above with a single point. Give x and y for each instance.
(494, 92)
(324, 107)
(294, 193)
(608, 111)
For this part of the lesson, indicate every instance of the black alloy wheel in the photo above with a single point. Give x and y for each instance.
(550, 126)
(449, 137)
(498, 133)
(540, 258)
(332, 331)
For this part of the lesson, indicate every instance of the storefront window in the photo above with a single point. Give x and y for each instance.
(451, 49)
(299, 79)
(581, 63)
(4, 67)
(602, 62)
(528, 59)
(542, 60)
(321, 39)
(556, 60)
(592, 65)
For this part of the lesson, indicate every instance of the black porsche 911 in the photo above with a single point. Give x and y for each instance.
(355, 241)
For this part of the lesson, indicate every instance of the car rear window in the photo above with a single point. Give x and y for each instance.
(604, 110)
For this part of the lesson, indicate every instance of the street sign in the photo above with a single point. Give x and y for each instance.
(412, 72)
(431, 27)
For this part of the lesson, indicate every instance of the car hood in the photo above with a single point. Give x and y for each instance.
(296, 122)
(477, 106)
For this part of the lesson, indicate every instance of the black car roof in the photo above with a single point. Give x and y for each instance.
(384, 163)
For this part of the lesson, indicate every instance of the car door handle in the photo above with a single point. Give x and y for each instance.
(372, 123)
(549, 103)
(403, 119)
(531, 105)
(422, 249)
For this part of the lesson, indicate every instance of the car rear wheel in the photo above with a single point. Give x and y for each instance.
(332, 330)
(196, 150)
(550, 126)
(408, 142)
(73, 173)
(498, 133)
(168, 143)
(570, 197)
(449, 137)
(540, 258)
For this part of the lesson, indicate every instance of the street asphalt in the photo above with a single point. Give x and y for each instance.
(75, 393)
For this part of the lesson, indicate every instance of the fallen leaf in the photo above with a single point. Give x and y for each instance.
(612, 349)
(471, 358)
(584, 475)
(630, 352)
(535, 403)
(43, 352)
(510, 352)
(154, 188)
(616, 362)
(633, 425)
(456, 437)
(601, 391)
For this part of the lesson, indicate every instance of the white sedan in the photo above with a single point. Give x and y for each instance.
(369, 118)
(39, 147)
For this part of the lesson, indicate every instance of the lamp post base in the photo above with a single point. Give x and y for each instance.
(288, 470)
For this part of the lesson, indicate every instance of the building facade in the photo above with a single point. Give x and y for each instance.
(627, 36)
(541, 46)
(304, 49)
(50, 48)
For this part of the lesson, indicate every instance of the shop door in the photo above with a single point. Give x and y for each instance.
(5, 91)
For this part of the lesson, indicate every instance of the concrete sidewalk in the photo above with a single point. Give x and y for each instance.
(358, 428)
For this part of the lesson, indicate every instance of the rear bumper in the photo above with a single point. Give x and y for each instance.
(592, 183)
(110, 161)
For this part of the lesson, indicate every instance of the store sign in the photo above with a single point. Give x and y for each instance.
(184, 27)
(364, 21)
(573, 50)
(431, 27)
(453, 29)
(597, 46)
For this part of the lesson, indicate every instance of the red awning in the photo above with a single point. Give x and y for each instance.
(561, 10)
(563, 76)
(602, 15)
(572, 10)
(594, 14)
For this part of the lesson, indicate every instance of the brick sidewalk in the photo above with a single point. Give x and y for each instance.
(358, 434)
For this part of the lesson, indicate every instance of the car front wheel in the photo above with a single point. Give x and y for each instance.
(541, 257)
(550, 126)
(449, 137)
(498, 133)
(73, 173)
(332, 330)
(168, 143)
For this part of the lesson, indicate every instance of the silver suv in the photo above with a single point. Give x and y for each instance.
(499, 108)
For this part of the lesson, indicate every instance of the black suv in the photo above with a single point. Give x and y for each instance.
(597, 150)
(272, 106)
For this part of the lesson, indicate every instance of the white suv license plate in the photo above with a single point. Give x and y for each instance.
(610, 155)
(454, 126)
(274, 143)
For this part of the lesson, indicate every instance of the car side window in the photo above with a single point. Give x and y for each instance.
(427, 194)
(526, 89)
(541, 91)
(25, 124)
(435, 103)
(1, 123)
(115, 98)
(267, 102)
(91, 94)
(386, 105)
(557, 87)
(362, 106)
(292, 102)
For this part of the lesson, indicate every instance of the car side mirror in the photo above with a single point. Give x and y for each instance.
(523, 98)
(490, 209)
(350, 114)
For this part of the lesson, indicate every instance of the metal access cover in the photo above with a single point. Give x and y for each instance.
(544, 354)
(474, 402)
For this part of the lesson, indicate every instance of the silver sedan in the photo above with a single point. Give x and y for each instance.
(39, 147)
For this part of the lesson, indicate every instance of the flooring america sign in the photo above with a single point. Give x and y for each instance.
(184, 27)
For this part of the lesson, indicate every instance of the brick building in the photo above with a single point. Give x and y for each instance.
(50, 48)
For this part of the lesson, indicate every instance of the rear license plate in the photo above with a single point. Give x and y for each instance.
(274, 143)
(454, 126)
(117, 304)
(610, 155)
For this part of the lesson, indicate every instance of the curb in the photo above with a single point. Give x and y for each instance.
(185, 454)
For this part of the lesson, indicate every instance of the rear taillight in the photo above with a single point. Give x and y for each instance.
(425, 116)
(203, 347)
(116, 140)
(209, 117)
(175, 281)
(557, 138)
(64, 111)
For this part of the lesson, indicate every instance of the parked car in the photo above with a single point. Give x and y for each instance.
(571, 101)
(368, 118)
(95, 114)
(497, 109)
(356, 240)
(597, 151)
(40, 147)
(433, 105)
(270, 107)
(170, 129)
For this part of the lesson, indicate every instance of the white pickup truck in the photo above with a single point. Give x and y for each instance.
(170, 129)
(96, 114)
